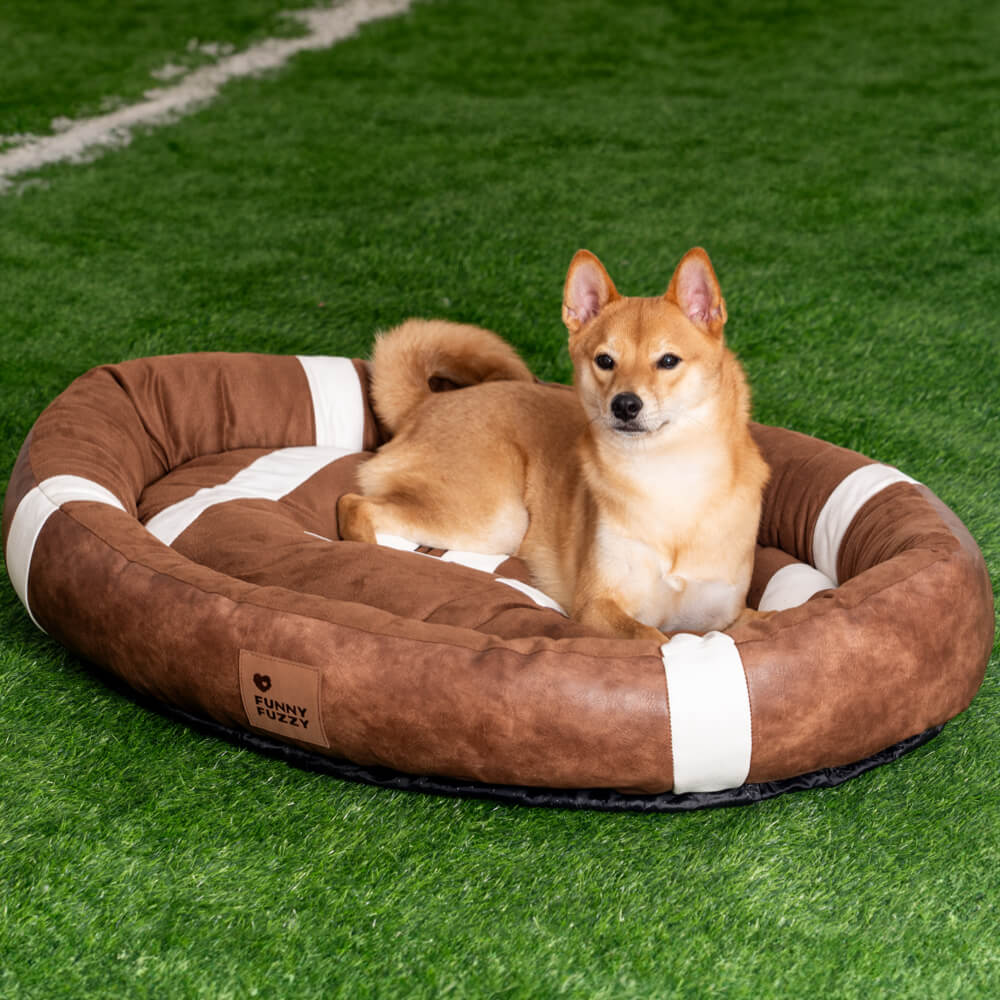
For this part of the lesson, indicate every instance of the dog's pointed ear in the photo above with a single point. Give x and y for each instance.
(695, 289)
(587, 291)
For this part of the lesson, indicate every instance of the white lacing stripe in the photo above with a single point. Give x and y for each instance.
(842, 506)
(35, 508)
(485, 563)
(793, 585)
(539, 597)
(710, 725)
(270, 477)
(337, 400)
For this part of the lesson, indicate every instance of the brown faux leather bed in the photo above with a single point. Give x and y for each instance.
(172, 520)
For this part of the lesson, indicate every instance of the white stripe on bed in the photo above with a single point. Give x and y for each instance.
(35, 508)
(710, 724)
(485, 563)
(842, 506)
(397, 542)
(338, 401)
(793, 585)
(539, 597)
(270, 477)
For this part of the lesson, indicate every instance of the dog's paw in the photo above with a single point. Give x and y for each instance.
(750, 615)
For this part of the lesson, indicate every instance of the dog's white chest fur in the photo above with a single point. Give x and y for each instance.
(669, 494)
(649, 588)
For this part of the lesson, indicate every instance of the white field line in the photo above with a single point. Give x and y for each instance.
(83, 139)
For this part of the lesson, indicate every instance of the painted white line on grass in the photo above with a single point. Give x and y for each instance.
(83, 139)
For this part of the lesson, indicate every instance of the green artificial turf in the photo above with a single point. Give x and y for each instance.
(72, 59)
(839, 164)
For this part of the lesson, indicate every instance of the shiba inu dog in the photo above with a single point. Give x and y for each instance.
(634, 498)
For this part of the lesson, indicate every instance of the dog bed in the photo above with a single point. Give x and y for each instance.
(173, 521)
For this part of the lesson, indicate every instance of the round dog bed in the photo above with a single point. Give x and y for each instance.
(173, 521)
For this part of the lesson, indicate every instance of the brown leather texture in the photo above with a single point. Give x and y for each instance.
(432, 667)
(423, 697)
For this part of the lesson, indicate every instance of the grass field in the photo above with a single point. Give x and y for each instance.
(839, 162)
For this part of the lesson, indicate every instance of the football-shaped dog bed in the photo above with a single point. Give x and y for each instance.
(173, 521)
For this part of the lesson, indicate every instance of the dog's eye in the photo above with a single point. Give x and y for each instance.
(604, 361)
(668, 361)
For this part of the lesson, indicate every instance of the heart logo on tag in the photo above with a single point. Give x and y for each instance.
(262, 681)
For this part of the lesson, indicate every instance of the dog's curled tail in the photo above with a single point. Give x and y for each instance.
(421, 357)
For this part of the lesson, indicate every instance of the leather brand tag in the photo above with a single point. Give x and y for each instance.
(282, 697)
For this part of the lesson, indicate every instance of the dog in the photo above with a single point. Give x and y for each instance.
(634, 498)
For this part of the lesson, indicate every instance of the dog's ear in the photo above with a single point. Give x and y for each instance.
(587, 291)
(695, 289)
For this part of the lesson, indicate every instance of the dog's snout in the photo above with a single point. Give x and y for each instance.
(626, 406)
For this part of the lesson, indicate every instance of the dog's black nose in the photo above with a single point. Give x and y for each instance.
(626, 406)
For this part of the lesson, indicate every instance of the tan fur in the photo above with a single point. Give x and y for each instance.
(453, 354)
(638, 519)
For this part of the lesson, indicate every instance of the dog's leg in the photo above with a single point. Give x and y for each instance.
(748, 615)
(355, 518)
(363, 518)
(605, 614)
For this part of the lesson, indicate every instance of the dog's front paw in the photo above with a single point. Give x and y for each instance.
(649, 632)
(606, 614)
(749, 615)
